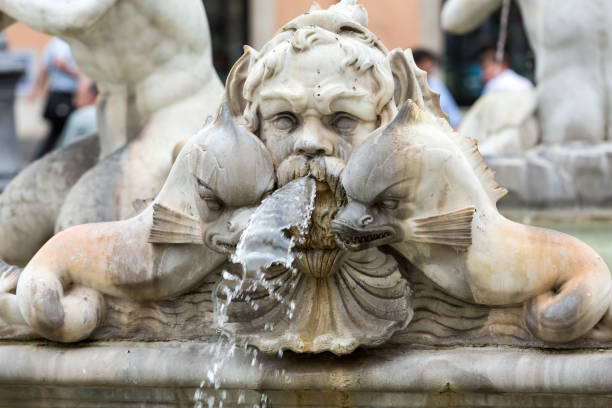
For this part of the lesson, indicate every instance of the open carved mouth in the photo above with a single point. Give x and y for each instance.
(353, 239)
(224, 246)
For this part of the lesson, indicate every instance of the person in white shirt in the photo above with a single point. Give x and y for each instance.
(82, 122)
(498, 76)
(428, 62)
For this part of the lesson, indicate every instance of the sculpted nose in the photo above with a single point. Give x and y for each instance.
(239, 219)
(313, 142)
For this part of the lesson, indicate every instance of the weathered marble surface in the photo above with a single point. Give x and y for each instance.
(32, 201)
(388, 172)
(439, 320)
(448, 352)
(569, 175)
(344, 300)
(168, 374)
(152, 63)
(503, 122)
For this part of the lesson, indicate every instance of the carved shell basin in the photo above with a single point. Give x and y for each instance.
(331, 301)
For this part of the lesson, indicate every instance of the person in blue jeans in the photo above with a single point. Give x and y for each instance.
(428, 61)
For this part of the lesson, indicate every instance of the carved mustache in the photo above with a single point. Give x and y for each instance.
(325, 169)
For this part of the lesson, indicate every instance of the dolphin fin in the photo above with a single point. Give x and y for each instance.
(453, 228)
(173, 227)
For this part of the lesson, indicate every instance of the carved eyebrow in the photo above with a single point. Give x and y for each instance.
(354, 101)
(395, 191)
(296, 99)
(344, 93)
(202, 183)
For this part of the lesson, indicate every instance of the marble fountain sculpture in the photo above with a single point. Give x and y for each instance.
(549, 146)
(329, 218)
(152, 62)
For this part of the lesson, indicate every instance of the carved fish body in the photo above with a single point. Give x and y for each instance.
(183, 235)
(420, 187)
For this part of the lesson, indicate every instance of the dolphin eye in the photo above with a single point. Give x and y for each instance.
(389, 204)
(213, 204)
(210, 199)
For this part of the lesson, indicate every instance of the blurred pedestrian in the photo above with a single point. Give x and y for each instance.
(82, 121)
(498, 76)
(59, 78)
(428, 62)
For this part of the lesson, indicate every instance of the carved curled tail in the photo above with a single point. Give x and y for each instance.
(9, 275)
(572, 310)
(54, 314)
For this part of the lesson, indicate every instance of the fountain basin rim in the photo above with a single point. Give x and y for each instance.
(400, 369)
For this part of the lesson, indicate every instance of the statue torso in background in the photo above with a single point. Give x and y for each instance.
(146, 56)
(573, 59)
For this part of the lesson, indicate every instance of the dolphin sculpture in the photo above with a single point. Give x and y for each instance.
(183, 235)
(423, 189)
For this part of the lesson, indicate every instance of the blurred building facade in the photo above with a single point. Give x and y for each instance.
(398, 23)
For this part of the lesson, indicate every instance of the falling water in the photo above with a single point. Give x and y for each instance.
(265, 242)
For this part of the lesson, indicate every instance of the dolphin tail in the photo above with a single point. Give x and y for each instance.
(570, 310)
(65, 314)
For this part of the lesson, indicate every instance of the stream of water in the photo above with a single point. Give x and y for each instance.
(263, 243)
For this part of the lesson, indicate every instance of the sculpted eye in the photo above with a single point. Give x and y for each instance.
(209, 197)
(285, 121)
(267, 194)
(389, 204)
(343, 122)
(213, 204)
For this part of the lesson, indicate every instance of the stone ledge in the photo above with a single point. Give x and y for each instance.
(167, 374)
(571, 175)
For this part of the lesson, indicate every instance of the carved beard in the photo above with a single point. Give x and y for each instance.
(329, 198)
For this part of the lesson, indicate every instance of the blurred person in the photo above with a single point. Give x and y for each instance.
(82, 121)
(498, 76)
(428, 62)
(570, 40)
(503, 119)
(59, 77)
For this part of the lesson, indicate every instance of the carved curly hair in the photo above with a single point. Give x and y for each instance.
(361, 53)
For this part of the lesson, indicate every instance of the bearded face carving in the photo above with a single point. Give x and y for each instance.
(318, 105)
(296, 109)
(314, 93)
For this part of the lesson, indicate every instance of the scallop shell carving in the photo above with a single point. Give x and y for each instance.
(331, 301)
